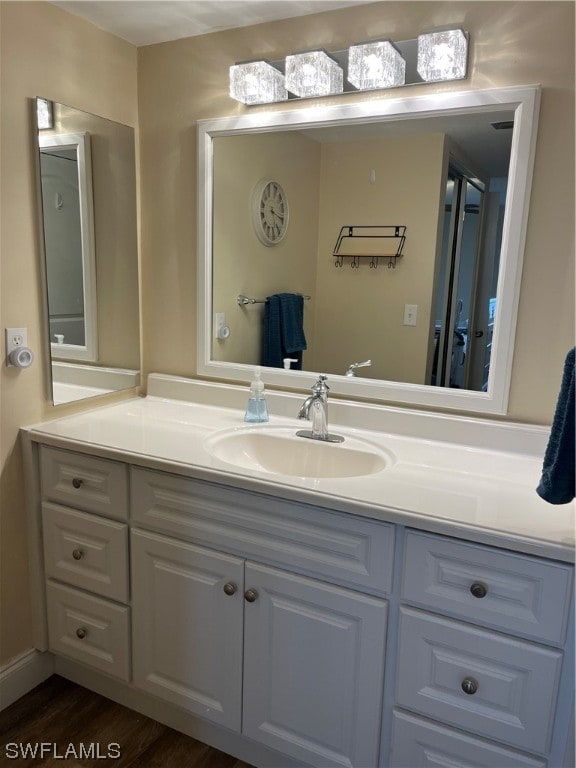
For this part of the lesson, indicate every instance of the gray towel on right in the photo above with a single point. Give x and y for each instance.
(557, 484)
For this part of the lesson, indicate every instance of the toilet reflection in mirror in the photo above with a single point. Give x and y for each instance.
(87, 183)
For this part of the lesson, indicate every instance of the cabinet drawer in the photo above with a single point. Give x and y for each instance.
(516, 682)
(88, 629)
(515, 593)
(85, 482)
(86, 551)
(418, 743)
(351, 550)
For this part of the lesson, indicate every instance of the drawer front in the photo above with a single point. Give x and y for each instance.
(418, 743)
(86, 551)
(85, 482)
(347, 549)
(88, 629)
(514, 593)
(512, 685)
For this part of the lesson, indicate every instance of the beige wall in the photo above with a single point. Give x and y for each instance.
(513, 43)
(327, 186)
(360, 312)
(242, 263)
(45, 52)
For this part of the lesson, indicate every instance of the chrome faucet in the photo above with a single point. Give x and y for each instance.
(316, 407)
(352, 368)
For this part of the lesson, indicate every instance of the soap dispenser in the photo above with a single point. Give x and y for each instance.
(257, 410)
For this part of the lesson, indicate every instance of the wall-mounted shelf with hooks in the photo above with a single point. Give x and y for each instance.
(387, 242)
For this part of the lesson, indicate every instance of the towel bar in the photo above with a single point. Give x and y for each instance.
(243, 300)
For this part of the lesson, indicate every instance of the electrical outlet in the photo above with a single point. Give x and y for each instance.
(16, 337)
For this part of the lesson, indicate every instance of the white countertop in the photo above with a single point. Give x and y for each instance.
(468, 492)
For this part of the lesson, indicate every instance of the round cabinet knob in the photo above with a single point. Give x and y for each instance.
(77, 482)
(469, 685)
(81, 633)
(478, 589)
(77, 554)
(230, 588)
(250, 595)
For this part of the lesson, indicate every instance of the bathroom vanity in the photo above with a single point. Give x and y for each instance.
(416, 612)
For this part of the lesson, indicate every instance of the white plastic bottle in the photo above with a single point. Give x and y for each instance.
(257, 410)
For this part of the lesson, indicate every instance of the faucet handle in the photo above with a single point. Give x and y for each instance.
(320, 387)
(353, 366)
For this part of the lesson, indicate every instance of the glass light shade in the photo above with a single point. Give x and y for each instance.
(442, 55)
(375, 65)
(257, 82)
(313, 74)
(44, 114)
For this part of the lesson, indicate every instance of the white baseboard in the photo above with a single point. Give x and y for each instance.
(22, 674)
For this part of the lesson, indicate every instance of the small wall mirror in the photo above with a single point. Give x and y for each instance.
(87, 179)
(405, 234)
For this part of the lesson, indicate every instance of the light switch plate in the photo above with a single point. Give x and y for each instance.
(410, 313)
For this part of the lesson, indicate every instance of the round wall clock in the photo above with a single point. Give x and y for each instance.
(269, 211)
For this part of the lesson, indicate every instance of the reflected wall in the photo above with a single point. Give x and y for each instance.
(91, 253)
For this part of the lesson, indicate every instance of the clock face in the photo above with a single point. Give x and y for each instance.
(269, 212)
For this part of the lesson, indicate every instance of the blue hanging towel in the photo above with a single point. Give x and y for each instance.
(283, 334)
(558, 472)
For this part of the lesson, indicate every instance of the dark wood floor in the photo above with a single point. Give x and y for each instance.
(62, 713)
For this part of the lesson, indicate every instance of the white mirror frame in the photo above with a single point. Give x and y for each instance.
(80, 142)
(525, 101)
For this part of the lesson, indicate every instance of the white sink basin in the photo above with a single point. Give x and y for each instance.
(280, 452)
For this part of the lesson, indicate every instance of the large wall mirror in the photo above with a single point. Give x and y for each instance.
(87, 180)
(400, 223)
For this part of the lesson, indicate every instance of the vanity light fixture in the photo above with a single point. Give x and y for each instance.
(44, 114)
(432, 57)
(313, 74)
(442, 55)
(375, 65)
(256, 82)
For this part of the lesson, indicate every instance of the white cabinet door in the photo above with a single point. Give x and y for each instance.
(313, 669)
(187, 626)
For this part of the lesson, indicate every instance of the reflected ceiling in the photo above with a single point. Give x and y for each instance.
(488, 148)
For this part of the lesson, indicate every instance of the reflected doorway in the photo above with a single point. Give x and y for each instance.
(466, 304)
